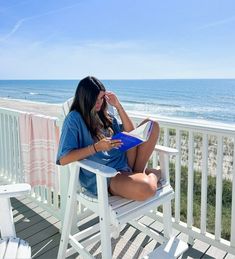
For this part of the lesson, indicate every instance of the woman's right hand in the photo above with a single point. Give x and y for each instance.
(107, 144)
(112, 99)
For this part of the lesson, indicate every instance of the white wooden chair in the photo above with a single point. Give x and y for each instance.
(10, 246)
(115, 211)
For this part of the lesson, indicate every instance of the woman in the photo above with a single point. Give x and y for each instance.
(87, 132)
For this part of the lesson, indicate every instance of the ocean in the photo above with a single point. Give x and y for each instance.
(208, 99)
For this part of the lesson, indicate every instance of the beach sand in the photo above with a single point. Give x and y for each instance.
(228, 144)
(55, 111)
(29, 106)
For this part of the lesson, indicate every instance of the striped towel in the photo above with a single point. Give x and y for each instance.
(39, 138)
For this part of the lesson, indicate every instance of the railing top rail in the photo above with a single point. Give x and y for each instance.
(15, 112)
(181, 123)
(198, 125)
(9, 111)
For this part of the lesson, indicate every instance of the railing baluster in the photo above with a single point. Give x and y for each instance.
(166, 137)
(11, 144)
(43, 194)
(204, 183)
(37, 193)
(1, 144)
(8, 148)
(190, 181)
(219, 184)
(4, 153)
(233, 200)
(13, 151)
(56, 200)
(155, 159)
(49, 197)
(166, 143)
(6, 176)
(178, 176)
(19, 156)
(16, 150)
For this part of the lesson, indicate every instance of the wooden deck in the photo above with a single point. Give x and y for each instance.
(41, 230)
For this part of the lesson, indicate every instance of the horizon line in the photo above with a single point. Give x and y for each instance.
(126, 79)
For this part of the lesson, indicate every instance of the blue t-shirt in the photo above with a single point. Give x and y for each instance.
(75, 135)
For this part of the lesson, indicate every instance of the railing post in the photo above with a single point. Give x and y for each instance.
(204, 183)
(190, 184)
(219, 187)
(178, 176)
(233, 200)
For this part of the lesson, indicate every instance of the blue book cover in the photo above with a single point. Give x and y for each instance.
(127, 140)
(135, 137)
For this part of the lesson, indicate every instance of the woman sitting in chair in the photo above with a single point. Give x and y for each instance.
(87, 132)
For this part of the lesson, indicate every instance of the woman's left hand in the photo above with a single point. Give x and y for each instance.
(112, 99)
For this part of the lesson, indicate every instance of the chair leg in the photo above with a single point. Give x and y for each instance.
(70, 210)
(167, 219)
(6, 218)
(105, 230)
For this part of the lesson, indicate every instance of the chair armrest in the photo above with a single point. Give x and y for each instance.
(166, 150)
(14, 190)
(97, 168)
(164, 153)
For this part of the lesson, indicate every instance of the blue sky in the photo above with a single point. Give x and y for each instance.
(117, 39)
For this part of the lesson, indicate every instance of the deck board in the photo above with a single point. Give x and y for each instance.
(42, 249)
(215, 252)
(41, 230)
(229, 256)
(198, 250)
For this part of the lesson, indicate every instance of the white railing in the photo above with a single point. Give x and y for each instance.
(11, 167)
(205, 147)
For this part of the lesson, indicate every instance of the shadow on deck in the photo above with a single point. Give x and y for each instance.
(41, 230)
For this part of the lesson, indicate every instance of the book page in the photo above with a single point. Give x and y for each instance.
(135, 137)
(142, 132)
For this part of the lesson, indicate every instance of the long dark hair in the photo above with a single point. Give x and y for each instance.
(84, 101)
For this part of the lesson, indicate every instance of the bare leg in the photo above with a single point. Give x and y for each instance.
(137, 186)
(145, 150)
(139, 156)
(132, 153)
(131, 156)
(141, 184)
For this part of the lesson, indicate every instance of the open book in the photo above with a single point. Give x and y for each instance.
(134, 137)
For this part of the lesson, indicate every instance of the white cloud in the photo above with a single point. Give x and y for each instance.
(218, 23)
(20, 22)
(13, 30)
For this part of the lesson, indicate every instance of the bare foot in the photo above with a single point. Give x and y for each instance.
(157, 172)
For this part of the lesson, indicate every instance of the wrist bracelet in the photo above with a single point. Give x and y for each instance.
(95, 148)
